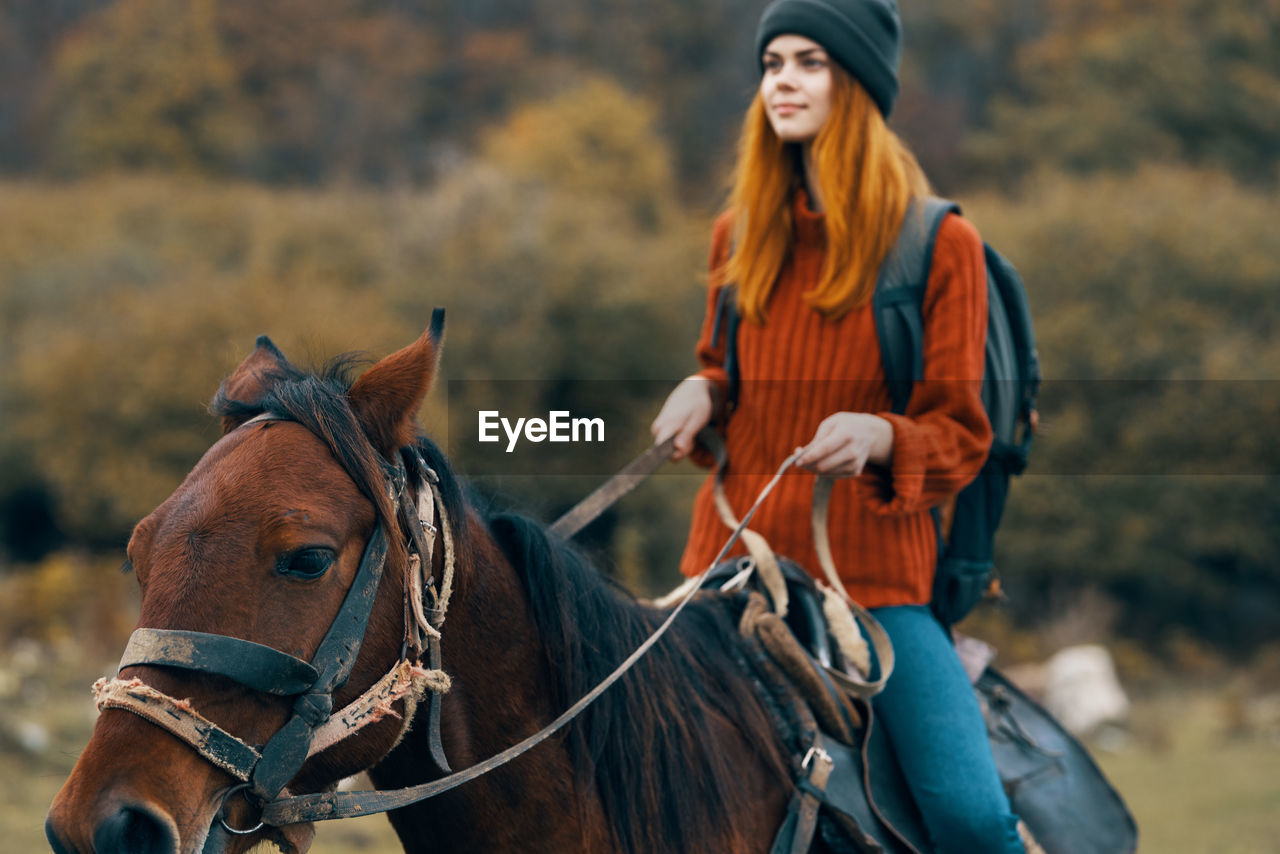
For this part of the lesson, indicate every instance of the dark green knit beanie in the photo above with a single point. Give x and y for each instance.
(864, 36)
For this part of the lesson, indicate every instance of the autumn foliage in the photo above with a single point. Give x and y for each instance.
(183, 175)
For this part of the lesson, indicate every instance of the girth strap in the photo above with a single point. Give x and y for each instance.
(798, 828)
(251, 664)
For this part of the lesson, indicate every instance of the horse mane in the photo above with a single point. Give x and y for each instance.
(645, 743)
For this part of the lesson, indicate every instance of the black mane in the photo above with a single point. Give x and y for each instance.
(644, 741)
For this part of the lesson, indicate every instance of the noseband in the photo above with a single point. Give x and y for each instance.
(312, 725)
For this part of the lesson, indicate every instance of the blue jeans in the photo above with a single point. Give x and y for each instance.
(932, 718)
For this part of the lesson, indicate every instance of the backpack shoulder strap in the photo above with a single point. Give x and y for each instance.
(898, 302)
(726, 324)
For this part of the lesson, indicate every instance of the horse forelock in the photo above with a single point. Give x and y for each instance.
(318, 401)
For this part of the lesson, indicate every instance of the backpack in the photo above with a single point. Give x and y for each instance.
(966, 525)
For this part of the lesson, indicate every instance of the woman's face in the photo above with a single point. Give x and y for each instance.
(796, 87)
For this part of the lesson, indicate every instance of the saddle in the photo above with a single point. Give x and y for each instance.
(850, 791)
(791, 658)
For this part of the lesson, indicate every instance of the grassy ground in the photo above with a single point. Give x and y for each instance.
(1197, 781)
(1198, 776)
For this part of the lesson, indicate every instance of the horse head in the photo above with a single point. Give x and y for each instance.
(275, 585)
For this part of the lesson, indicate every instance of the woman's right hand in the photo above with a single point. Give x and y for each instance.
(687, 410)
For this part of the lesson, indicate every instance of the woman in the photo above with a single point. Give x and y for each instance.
(821, 187)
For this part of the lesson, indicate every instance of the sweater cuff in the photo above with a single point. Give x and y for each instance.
(898, 488)
(719, 376)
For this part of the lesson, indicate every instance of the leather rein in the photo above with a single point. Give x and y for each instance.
(312, 726)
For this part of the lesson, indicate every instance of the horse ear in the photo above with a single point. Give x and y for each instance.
(241, 393)
(387, 396)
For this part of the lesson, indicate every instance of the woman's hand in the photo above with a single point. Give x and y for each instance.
(845, 442)
(687, 410)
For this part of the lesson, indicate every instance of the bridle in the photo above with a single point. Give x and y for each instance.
(312, 725)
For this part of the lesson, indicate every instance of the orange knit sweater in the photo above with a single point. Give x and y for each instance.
(799, 367)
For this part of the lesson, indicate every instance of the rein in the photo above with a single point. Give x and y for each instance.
(312, 727)
(326, 806)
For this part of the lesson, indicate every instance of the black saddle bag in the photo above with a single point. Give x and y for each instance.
(1053, 783)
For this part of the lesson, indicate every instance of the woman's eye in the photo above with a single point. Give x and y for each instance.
(814, 62)
(306, 563)
(772, 64)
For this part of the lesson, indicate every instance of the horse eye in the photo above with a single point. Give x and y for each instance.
(306, 563)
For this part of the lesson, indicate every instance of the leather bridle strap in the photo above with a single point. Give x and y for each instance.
(251, 664)
(325, 806)
(260, 668)
(284, 755)
(765, 561)
(211, 741)
(771, 576)
(257, 667)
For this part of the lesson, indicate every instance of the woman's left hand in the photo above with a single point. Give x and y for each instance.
(845, 442)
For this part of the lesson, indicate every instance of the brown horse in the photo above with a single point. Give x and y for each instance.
(266, 540)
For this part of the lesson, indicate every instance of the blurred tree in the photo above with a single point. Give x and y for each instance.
(593, 141)
(146, 84)
(569, 269)
(28, 31)
(336, 88)
(956, 57)
(692, 60)
(124, 303)
(1112, 85)
(1155, 474)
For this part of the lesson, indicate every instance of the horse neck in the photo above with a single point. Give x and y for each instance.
(500, 694)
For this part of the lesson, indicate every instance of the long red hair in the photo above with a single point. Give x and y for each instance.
(867, 176)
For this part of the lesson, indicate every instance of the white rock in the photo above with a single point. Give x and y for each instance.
(33, 737)
(1082, 690)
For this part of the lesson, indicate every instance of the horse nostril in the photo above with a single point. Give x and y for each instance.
(135, 830)
(51, 834)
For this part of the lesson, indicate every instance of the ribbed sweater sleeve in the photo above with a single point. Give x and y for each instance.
(942, 440)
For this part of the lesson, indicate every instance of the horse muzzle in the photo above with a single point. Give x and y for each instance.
(131, 828)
